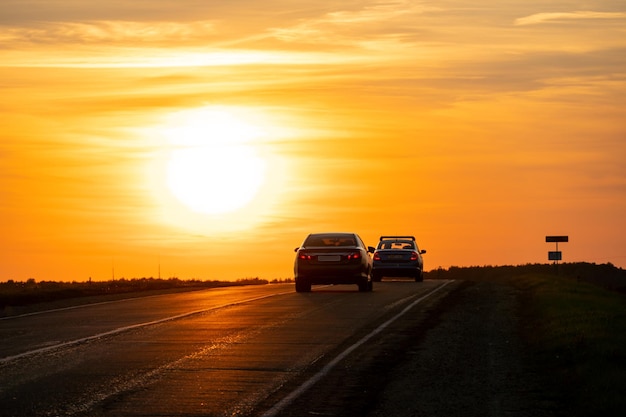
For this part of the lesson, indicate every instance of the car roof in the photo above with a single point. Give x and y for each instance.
(332, 234)
(399, 237)
(327, 239)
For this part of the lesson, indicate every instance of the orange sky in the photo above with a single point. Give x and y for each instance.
(480, 129)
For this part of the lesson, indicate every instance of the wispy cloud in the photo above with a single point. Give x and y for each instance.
(539, 18)
(107, 32)
(345, 26)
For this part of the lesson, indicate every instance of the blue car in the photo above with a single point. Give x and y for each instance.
(398, 256)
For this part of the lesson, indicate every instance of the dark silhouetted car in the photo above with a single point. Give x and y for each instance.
(398, 256)
(333, 258)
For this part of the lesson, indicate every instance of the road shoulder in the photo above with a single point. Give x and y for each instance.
(470, 362)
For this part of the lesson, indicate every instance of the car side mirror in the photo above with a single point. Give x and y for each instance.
(371, 249)
(423, 251)
(296, 249)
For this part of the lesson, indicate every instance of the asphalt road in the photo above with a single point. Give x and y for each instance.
(257, 351)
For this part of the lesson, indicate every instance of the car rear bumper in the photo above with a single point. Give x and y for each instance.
(396, 270)
(340, 274)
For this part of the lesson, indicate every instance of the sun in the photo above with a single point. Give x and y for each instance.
(217, 169)
(213, 167)
(215, 179)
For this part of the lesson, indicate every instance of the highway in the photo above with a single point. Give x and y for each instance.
(233, 351)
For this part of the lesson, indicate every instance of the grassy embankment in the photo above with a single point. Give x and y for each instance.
(574, 323)
(578, 333)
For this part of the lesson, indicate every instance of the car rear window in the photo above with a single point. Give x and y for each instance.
(396, 244)
(330, 240)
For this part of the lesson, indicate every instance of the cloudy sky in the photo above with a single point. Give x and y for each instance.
(205, 139)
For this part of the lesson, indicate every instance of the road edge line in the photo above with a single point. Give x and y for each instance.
(279, 406)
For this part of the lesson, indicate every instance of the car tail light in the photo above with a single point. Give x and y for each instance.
(354, 255)
(414, 256)
(305, 256)
(377, 256)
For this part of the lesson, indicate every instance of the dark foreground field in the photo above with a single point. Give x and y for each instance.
(572, 324)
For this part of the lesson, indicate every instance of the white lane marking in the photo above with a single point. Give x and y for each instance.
(8, 359)
(279, 406)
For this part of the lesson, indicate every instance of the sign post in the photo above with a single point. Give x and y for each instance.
(556, 255)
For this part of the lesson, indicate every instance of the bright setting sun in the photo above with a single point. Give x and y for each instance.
(213, 169)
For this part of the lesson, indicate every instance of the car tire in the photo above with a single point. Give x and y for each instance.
(364, 286)
(419, 277)
(377, 278)
(303, 286)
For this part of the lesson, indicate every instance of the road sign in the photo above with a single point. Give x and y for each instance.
(554, 255)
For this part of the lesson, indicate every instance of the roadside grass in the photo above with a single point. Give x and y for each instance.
(576, 332)
(573, 320)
